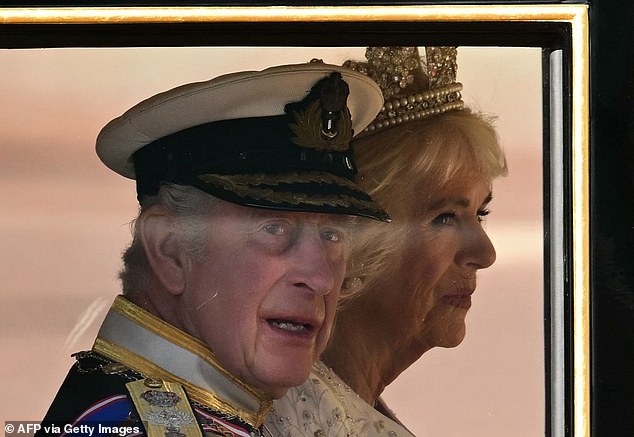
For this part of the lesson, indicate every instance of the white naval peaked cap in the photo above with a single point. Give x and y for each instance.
(223, 134)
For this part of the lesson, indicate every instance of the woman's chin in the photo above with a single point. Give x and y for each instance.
(449, 342)
(452, 336)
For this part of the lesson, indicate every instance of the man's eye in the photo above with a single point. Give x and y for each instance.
(276, 229)
(332, 235)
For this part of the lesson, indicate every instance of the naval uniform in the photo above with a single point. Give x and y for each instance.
(144, 376)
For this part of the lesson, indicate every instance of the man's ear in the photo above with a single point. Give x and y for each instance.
(166, 255)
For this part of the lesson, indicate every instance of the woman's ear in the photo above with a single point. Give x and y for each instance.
(166, 255)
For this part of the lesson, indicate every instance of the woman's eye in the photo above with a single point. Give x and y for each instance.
(444, 219)
(482, 214)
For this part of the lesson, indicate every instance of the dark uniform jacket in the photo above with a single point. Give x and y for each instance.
(145, 377)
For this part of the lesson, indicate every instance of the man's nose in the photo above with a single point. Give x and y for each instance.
(314, 268)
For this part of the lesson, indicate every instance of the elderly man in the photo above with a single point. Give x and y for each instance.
(247, 194)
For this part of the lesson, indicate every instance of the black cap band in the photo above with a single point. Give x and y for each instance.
(230, 147)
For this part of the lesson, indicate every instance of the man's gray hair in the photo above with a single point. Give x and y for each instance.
(192, 208)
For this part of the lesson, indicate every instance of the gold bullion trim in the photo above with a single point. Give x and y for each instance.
(174, 335)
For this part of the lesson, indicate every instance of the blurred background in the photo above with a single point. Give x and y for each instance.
(64, 222)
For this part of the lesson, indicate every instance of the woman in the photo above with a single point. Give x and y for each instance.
(415, 277)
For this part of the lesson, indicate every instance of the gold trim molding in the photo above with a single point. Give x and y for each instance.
(186, 14)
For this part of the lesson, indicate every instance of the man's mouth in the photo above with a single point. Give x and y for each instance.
(291, 326)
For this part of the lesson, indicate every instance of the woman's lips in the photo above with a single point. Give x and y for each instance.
(459, 298)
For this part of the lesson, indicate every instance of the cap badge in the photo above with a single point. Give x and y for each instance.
(325, 124)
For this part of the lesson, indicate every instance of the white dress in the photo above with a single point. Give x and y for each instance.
(324, 406)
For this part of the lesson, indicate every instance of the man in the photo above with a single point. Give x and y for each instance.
(246, 187)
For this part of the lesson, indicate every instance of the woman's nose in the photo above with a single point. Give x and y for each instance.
(478, 251)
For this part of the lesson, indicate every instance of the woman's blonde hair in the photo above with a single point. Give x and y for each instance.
(428, 153)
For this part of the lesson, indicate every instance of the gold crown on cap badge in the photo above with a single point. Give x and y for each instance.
(414, 87)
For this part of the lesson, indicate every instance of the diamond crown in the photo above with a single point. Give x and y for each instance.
(414, 87)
